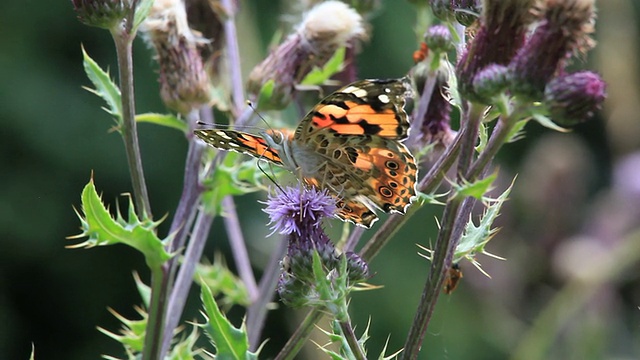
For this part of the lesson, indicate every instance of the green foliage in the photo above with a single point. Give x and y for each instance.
(476, 189)
(102, 229)
(231, 343)
(475, 238)
(222, 282)
(104, 87)
(319, 76)
(142, 10)
(132, 333)
(168, 120)
(231, 178)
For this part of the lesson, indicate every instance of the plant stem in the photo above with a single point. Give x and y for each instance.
(257, 311)
(297, 340)
(352, 340)
(452, 226)
(180, 226)
(238, 247)
(129, 131)
(155, 322)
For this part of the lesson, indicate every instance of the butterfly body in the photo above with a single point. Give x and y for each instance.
(349, 144)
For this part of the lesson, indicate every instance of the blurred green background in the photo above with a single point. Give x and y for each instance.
(576, 197)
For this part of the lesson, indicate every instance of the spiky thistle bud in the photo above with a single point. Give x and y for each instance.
(491, 81)
(357, 268)
(184, 83)
(327, 27)
(574, 98)
(438, 39)
(503, 25)
(105, 14)
(563, 30)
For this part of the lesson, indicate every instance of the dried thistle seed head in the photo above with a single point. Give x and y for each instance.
(574, 98)
(563, 31)
(184, 83)
(327, 27)
(105, 14)
(503, 26)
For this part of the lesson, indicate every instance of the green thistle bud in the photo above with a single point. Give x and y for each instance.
(491, 81)
(357, 268)
(438, 39)
(105, 14)
(574, 98)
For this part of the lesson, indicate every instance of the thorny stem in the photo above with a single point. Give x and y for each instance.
(352, 340)
(452, 225)
(124, 41)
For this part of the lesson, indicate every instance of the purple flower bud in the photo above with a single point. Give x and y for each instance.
(503, 26)
(357, 268)
(438, 39)
(563, 30)
(574, 98)
(101, 13)
(491, 81)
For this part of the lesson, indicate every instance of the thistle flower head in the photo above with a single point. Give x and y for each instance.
(563, 30)
(102, 13)
(327, 27)
(574, 98)
(503, 25)
(184, 83)
(296, 211)
(491, 81)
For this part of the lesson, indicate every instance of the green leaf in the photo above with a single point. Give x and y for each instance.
(318, 76)
(142, 11)
(517, 132)
(231, 343)
(475, 238)
(101, 229)
(222, 281)
(548, 123)
(265, 95)
(483, 133)
(104, 87)
(475, 189)
(229, 179)
(132, 332)
(167, 120)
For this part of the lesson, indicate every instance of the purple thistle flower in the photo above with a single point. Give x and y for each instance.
(574, 98)
(296, 211)
(503, 26)
(564, 28)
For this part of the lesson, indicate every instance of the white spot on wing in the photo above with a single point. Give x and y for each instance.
(359, 92)
(223, 135)
(383, 98)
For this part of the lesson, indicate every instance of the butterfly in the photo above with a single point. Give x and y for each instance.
(349, 144)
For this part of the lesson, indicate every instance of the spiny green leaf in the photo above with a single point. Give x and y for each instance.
(475, 189)
(104, 87)
(318, 76)
(167, 120)
(483, 135)
(517, 132)
(475, 238)
(231, 343)
(222, 281)
(132, 332)
(101, 229)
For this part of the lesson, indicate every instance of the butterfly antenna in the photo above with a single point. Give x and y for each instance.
(271, 179)
(250, 104)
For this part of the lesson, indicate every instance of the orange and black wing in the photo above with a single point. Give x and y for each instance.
(241, 142)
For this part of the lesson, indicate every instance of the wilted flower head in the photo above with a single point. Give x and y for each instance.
(574, 98)
(503, 26)
(102, 13)
(184, 83)
(563, 30)
(327, 27)
(294, 210)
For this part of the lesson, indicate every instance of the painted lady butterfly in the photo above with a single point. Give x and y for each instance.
(349, 143)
